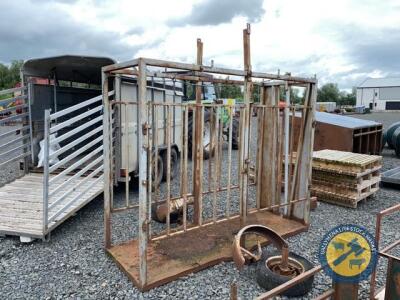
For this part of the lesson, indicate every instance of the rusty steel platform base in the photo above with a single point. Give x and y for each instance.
(178, 255)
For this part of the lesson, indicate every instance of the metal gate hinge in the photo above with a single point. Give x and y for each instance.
(145, 128)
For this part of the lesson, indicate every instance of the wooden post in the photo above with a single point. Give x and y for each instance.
(198, 147)
(268, 164)
(345, 290)
(303, 167)
(244, 139)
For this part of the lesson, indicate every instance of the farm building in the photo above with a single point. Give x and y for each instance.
(379, 93)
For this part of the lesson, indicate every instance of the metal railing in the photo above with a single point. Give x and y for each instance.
(75, 165)
(15, 127)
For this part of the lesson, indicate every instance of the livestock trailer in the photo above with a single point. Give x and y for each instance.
(55, 136)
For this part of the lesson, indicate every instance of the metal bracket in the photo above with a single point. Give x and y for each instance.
(145, 128)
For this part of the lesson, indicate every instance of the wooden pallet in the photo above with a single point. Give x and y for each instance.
(345, 178)
(346, 162)
(343, 199)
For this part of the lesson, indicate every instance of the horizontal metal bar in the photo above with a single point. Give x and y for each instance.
(180, 230)
(76, 142)
(75, 154)
(325, 295)
(390, 247)
(14, 131)
(121, 65)
(288, 284)
(77, 106)
(63, 196)
(75, 165)
(75, 119)
(75, 176)
(18, 139)
(74, 131)
(19, 116)
(60, 211)
(12, 108)
(390, 210)
(14, 159)
(225, 71)
(13, 90)
(14, 149)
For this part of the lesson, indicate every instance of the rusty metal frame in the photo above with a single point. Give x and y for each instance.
(296, 202)
(384, 251)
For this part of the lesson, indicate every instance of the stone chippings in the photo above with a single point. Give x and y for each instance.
(73, 265)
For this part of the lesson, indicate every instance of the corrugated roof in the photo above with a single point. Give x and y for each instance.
(343, 121)
(380, 82)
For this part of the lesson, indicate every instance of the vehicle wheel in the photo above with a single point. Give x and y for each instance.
(174, 164)
(156, 181)
(268, 279)
(206, 135)
(235, 134)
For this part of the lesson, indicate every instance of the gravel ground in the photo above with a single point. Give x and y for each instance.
(73, 264)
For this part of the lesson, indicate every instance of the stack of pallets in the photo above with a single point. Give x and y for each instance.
(345, 178)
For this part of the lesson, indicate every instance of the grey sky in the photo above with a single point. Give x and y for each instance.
(343, 42)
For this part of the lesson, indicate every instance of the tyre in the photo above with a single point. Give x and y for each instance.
(156, 180)
(268, 279)
(206, 135)
(389, 132)
(174, 164)
(235, 133)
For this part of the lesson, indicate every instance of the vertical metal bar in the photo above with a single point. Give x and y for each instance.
(182, 141)
(126, 131)
(55, 92)
(240, 157)
(117, 146)
(260, 138)
(216, 164)
(149, 130)
(245, 139)
(107, 163)
(143, 195)
(30, 86)
(286, 143)
(211, 147)
(185, 171)
(168, 168)
(46, 141)
(201, 161)
(155, 142)
(220, 142)
(228, 192)
(291, 146)
(198, 144)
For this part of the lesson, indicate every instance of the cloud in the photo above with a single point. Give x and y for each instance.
(51, 31)
(214, 12)
(375, 49)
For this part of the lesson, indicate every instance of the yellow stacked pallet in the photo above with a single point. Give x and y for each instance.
(345, 178)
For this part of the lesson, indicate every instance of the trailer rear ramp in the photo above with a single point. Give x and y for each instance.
(21, 210)
(34, 204)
